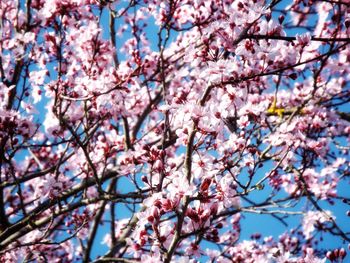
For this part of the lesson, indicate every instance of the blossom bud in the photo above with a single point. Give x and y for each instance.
(214, 209)
(205, 184)
(155, 212)
(293, 76)
(167, 205)
(268, 17)
(281, 19)
(342, 253)
(336, 253)
(144, 179)
(219, 225)
(330, 256)
(150, 219)
(347, 23)
(158, 203)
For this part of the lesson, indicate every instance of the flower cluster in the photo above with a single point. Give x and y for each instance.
(156, 129)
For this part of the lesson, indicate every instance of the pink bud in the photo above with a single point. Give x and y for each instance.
(281, 19)
(330, 256)
(293, 76)
(342, 253)
(268, 17)
(347, 23)
(150, 219)
(158, 203)
(205, 184)
(155, 212)
(144, 179)
(336, 253)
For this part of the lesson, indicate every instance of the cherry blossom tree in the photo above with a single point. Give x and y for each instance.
(159, 125)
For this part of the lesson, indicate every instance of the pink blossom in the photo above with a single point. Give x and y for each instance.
(313, 217)
(163, 124)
